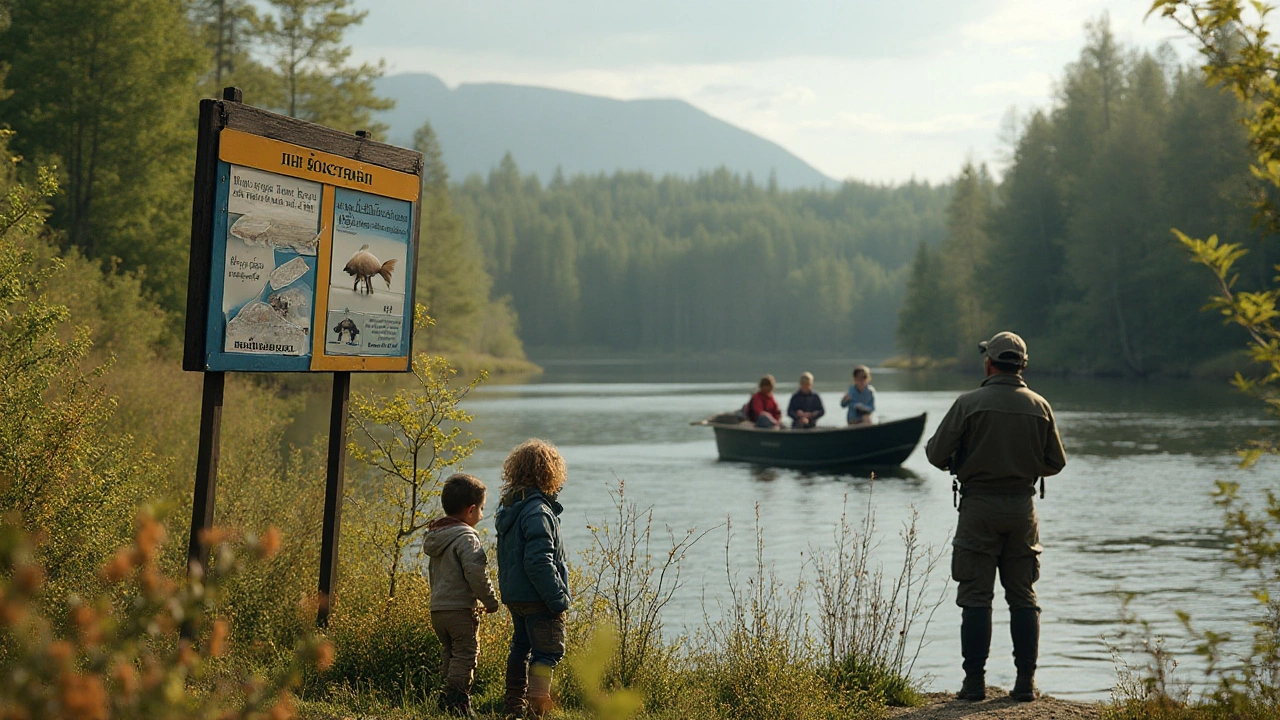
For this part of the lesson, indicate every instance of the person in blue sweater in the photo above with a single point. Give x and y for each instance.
(861, 397)
(533, 576)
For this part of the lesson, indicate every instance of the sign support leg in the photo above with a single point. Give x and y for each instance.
(206, 469)
(333, 493)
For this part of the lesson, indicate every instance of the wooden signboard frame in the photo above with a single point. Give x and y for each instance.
(256, 174)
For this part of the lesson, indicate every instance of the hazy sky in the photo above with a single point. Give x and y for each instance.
(880, 91)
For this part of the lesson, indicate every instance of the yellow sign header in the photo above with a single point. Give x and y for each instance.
(284, 158)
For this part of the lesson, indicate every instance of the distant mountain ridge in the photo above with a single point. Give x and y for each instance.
(546, 129)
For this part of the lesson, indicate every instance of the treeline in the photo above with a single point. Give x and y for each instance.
(1073, 249)
(629, 262)
(106, 92)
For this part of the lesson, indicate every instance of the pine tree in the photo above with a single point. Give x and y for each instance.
(311, 78)
(451, 279)
(226, 28)
(925, 328)
(965, 255)
(1025, 279)
(104, 89)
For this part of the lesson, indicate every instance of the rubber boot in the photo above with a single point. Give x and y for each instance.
(975, 645)
(540, 702)
(517, 686)
(1024, 629)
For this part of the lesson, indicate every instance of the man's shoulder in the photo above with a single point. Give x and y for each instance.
(1036, 398)
(1008, 397)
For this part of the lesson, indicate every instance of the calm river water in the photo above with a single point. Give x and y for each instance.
(1130, 514)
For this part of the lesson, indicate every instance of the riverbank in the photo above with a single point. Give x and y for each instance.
(510, 369)
(1221, 367)
(997, 706)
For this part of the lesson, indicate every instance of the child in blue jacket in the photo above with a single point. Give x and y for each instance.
(861, 397)
(532, 573)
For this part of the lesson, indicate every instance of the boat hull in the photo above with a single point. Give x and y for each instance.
(883, 445)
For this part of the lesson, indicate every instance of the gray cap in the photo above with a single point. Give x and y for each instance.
(1004, 347)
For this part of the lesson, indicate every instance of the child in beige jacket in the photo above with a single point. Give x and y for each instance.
(459, 587)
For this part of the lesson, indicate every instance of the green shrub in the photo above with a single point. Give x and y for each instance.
(858, 677)
(386, 649)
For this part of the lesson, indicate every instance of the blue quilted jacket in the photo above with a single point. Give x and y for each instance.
(531, 558)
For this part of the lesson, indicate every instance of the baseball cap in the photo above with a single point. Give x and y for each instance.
(1004, 347)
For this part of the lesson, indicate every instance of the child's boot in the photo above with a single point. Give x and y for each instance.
(457, 703)
(540, 702)
(517, 686)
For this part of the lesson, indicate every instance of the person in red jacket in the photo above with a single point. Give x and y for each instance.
(762, 409)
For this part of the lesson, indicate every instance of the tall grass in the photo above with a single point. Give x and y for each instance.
(760, 652)
(866, 619)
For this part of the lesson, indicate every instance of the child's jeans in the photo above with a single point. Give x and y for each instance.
(537, 638)
(457, 631)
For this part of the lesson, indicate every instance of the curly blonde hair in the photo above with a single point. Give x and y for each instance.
(533, 463)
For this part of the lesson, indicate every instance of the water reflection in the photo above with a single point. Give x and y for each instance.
(768, 473)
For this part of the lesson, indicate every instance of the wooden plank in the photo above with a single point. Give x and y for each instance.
(411, 286)
(203, 207)
(207, 455)
(334, 479)
(300, 132)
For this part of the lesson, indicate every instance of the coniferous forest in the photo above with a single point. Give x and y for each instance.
(1073, 248)
(636, 263)
(1065, 240)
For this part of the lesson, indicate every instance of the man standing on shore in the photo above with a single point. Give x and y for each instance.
(997, 440)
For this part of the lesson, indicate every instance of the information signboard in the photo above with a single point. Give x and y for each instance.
(309, 259)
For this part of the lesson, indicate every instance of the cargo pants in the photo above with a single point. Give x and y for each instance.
(459, 646)
(996, 533)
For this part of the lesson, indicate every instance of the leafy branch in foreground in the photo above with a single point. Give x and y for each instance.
(1240, 56)
(409, 440)
(125, 659)
(1255, 311)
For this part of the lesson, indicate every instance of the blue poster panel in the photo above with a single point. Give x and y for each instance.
(372, 262)
(266, 233)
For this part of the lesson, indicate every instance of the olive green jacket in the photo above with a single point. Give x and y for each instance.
(998, 439)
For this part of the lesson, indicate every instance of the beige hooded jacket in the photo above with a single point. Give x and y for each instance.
(457, 567)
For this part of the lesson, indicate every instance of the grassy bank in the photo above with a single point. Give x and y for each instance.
(757, 656)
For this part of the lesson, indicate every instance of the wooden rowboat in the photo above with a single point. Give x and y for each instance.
(883, 445)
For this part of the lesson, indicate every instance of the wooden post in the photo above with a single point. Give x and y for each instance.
(206, 469)
(333, 494)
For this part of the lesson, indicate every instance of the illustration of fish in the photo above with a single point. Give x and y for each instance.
(364, 265)
(347, 326)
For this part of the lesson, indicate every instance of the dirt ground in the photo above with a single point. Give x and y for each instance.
(998, 706)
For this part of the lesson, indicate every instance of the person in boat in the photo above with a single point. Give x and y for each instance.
(762, 409)
(861, 397)
(997, 440)
(806, 406)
